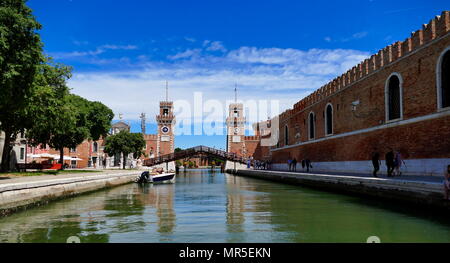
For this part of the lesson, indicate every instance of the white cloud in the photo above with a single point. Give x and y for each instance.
(355, 36)
(216, 46)
(185, 54)
(99, 50)
(286, 75)
(190, 39)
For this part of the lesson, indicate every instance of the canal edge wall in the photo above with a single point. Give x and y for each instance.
(17, 197)
(425, 194)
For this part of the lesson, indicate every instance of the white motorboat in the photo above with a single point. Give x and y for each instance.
(162, 178)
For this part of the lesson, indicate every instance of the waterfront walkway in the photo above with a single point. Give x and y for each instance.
(423, 178)
(423, 190)
(12, 179)
(21, 192)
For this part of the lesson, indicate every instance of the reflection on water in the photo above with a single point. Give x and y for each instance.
(215, 207)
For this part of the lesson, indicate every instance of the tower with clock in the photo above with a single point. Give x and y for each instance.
(236, 129)
(166, 124)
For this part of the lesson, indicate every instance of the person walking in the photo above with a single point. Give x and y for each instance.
(376, 162)
(390, 162)
(308, 165)
(289, 161)
(447, 184)
(294, 165)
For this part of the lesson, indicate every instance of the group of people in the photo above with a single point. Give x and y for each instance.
(292, 164)
(394, 162)
(258, 165)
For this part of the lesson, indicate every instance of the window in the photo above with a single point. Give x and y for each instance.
(393, 93)
(329, 120)
(443, 79)
(286, 135)
(235, 112)
(95, 147)
(22, 153)
(312, 124)
(165, 112)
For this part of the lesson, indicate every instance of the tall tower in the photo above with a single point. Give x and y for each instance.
(166, 124)
(236, 128)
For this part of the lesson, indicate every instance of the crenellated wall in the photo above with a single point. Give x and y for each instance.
(358, 102)
(436, 28)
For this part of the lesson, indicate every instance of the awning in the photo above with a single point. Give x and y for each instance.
(53, 156)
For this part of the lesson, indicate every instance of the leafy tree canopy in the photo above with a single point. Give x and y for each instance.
(20, 57)
(125, 143)
(64, 120)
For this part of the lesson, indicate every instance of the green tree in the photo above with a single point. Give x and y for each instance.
(125, 143)
(64, 120)
(20, 56)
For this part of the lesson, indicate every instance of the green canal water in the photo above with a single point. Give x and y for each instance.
(213, 207)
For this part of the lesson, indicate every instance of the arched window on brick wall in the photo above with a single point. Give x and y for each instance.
(312, 125)
(393, 94)
(443, 79)
(329, 119)
(286, 135)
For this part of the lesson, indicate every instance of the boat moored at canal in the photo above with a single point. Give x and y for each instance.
(156, 178)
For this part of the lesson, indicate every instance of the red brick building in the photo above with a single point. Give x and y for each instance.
(237, 141)
(398, 98)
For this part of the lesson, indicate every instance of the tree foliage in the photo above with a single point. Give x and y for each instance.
(125, 143)
(20, 57)
(67, 122)
(34, 94)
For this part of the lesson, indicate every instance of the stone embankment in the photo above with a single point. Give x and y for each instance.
(416, 191)
(21, 193)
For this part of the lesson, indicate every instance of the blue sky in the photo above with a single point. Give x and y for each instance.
(124, 51)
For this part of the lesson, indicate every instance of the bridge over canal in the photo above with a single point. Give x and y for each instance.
(231, 158)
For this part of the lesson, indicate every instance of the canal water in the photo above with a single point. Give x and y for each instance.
(205, 206)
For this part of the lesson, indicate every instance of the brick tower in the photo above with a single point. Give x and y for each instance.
(166, 124)
(236, 129)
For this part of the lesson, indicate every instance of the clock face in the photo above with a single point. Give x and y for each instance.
(165, 129)
(236, 130)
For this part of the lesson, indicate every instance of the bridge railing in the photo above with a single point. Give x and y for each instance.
(191, 152)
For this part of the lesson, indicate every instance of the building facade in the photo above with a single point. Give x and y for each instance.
(237, 141)
(398, 99)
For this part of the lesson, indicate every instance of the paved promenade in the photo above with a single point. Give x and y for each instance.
(29, 179)
(424, 178)
(18, 193)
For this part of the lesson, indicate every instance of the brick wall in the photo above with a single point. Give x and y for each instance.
(421, 132)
